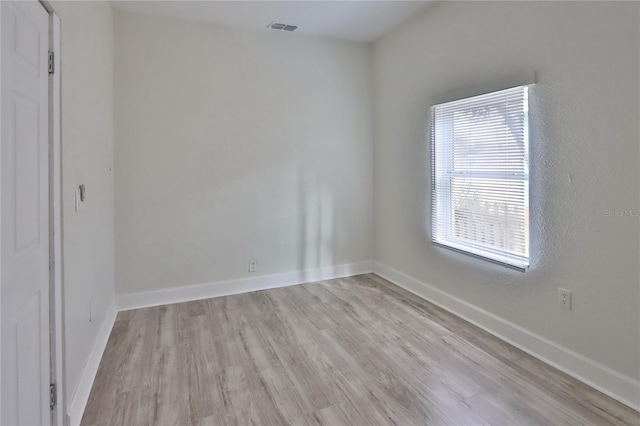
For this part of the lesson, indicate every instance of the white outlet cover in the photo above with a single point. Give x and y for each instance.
(564, 298)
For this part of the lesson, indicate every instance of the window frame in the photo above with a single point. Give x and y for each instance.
(443, 235)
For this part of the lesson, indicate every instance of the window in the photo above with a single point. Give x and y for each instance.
(480, 176)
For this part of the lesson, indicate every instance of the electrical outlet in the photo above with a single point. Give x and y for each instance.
(91, 309)
(252, 265)
(564, 298)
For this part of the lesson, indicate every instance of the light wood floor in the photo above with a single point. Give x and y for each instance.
(357, 350)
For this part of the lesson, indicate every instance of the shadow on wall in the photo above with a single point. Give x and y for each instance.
(317, 235)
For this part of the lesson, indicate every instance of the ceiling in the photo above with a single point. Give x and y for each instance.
(363, 21)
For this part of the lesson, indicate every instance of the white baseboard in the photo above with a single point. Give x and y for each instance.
(592, 373)
(81, 395)
(243, 285)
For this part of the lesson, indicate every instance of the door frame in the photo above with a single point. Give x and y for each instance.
(56, 317)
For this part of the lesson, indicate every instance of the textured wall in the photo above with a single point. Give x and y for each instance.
(87, 155)
(584, 151)
(234, 145)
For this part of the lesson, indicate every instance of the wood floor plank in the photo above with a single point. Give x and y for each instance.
(350, 351)
(236, 397)
(168, 398)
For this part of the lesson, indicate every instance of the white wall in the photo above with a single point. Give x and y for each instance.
(584, 162)
(234, 145)
(87, 155)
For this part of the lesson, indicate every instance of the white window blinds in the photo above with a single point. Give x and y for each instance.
(480, 176)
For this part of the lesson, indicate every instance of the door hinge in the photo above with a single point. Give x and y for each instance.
(51, 62)
(52, 394)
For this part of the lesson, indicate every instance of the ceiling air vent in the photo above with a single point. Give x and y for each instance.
(280, 26)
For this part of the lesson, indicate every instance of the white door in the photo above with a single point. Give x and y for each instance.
(24, 226)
